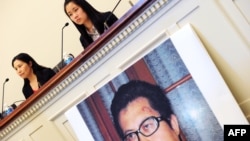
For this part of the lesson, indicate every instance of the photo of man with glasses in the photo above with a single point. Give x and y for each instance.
(141, 111)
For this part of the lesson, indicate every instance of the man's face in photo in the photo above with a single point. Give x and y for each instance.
(140, 122)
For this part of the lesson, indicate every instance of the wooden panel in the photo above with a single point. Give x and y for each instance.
(65, 128)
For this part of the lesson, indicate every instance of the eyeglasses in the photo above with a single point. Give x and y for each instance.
(147, 128)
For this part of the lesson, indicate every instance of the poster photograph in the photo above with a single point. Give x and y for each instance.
(182, 68)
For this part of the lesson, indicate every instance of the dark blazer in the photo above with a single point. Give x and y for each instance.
(42, 77)
(107, 17)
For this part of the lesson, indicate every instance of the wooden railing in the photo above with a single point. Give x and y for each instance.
(134, 12)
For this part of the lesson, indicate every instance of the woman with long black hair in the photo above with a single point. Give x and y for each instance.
(90, 22)
(34, 75)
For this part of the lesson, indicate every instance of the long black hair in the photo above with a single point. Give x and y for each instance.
(42, 73)
(98, 18)
(28, 59)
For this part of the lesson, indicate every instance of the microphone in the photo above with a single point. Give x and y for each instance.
(131, 3)
(106, 27)
(6, 80)
(66, 24)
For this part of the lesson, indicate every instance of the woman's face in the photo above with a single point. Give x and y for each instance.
(23, 69)
(76, 13)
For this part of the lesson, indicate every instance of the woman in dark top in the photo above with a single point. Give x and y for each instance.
(89, 22)
(34, 75)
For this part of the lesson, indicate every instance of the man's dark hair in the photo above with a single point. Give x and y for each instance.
(137, 88)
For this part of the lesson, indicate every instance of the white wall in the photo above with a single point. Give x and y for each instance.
(35, 27)
(223, 27)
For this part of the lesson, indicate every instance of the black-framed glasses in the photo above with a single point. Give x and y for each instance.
(147, 128)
